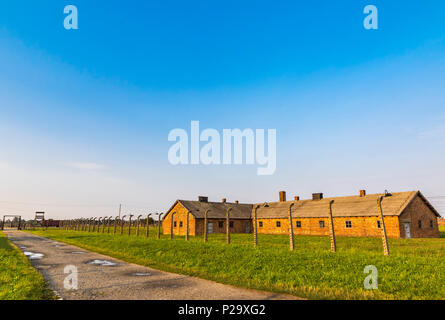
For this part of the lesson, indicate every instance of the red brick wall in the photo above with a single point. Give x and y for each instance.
(196, 226)
(417, 211)
(178, 217)
(239, 226)
(361, 226)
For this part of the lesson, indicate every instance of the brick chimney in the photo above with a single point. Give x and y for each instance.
(224, 200)
(362, 193)
(297, 198)
(203, 199)
(282, 196)
(317, 196)
(236, 201)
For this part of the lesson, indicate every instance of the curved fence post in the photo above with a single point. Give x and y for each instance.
(137, 227)
(171, 225)
(98, 224)
(147, 230)
(331, 228)
(94, 224)
(384, 236)
(291, 229)
(228, 225)
(187, 226)
(129, 225)
(122, 224)
(159, 225)
(104, 221)
(115, 224)
(205, 224)
(108, 224)
(255, 227)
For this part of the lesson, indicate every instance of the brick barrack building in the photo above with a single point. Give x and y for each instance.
(406, 215)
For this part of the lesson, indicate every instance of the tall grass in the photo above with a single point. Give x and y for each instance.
(18, 279)
(414, 270)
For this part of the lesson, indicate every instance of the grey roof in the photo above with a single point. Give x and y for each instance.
(351, 206)
(218, 209)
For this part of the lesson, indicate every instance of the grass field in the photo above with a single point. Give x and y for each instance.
(415, 269)
(18, 279)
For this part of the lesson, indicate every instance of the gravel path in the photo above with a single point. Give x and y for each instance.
(103, 277)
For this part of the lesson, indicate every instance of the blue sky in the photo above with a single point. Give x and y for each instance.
(85, 114)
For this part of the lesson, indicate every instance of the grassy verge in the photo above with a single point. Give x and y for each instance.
(18, 279)
(415, 269)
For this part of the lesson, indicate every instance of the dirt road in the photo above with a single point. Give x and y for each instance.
(103, 277)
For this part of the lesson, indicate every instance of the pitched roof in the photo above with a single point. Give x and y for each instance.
(218, 210)
(351, 206)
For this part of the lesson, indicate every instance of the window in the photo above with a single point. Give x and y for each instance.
(278, 224)
(260, 224)
(231, 224)
(174, 224)
(431, 224)
(220, 224)
(378, 224)
(321, 224)
(298, 224)
(349, 224)
(180, 224)
(420, 224)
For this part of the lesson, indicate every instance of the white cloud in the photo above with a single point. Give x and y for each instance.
(86, 165)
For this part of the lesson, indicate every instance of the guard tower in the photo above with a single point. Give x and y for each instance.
(39, 218)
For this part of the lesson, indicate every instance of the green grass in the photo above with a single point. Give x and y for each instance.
(18, 279)
(414, 270)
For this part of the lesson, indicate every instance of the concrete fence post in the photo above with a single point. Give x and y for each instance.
(147, 230)
(255, 227)
(384, 236)
(137, 227)
(104, 221)
(171, 225)
(205, 224)
(187, 226)
(159, 225)
(291, 228)
(98, 224)
(122, 224)
(228, 225)
(116, 220)
(129, 226)
(331, 228)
